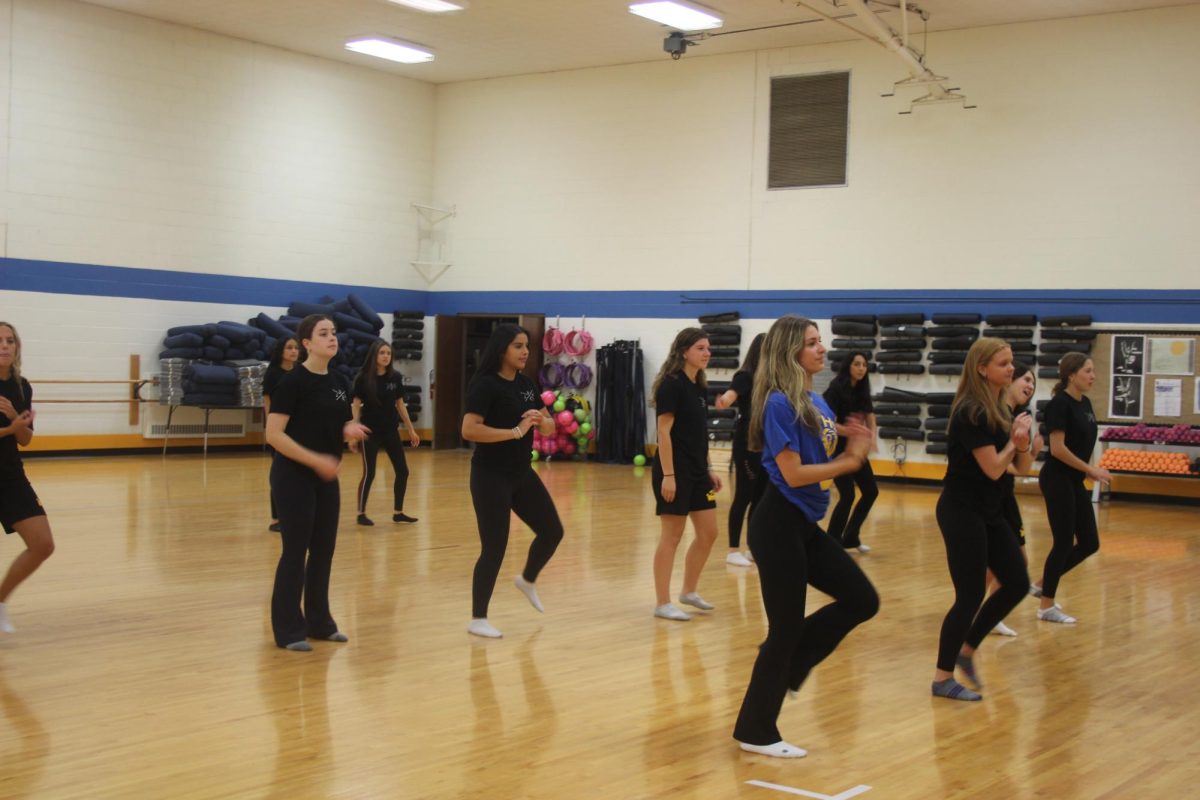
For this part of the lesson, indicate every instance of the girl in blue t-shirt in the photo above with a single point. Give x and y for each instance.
(794, 429)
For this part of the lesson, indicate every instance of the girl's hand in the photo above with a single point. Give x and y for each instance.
(327, 467)
(355, 431)
(668, 488)
(715, 478)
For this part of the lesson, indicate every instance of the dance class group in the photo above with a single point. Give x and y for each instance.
(790, 446)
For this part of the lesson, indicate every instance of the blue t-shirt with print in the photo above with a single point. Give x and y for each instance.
(782, 431)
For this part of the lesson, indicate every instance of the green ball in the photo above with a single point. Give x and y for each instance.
(534, 455)
(586, 427)
(559, 404)
(580, 415)
(639, 460)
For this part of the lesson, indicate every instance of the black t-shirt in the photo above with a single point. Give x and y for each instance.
(317, 406)
(22, 401)
(1077, 421)
(688, 401)
(271, 379)
(502, 403)
(1008, 482)
(379, 413)
(965, 481)
(844, 401)
(743, 384)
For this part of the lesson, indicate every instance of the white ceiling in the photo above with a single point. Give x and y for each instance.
(493, 38)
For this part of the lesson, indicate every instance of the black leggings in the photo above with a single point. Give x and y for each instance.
(497, 496)
(389, 440)
(1069, 511)
(791, 553)
(748, 490)
(839, 529)
(975, 544)
(308, 520)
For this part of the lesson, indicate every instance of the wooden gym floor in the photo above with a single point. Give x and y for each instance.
(143, 666)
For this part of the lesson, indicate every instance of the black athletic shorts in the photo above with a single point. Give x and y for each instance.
(18, 502)
(691, 494)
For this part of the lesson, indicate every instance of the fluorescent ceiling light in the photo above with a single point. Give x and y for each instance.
(432, 6)
(391, 49)
(678, 15)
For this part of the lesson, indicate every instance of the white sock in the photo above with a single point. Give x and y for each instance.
(737, 559)
(670, 611)
(695, 600)
(5, 625)
(530, 591)
(1003, 630)
(780, 749)
(481, 627)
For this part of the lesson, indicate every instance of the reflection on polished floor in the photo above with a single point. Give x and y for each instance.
(143, 666)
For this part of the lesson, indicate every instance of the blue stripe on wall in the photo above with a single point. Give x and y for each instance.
(1105, 305)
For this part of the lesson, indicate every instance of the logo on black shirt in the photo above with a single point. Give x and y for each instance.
(340, 394)
(391, 386)
(528, 395)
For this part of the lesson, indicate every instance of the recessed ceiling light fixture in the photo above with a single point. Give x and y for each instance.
(432, 6)
(682, 16)
(391, 49)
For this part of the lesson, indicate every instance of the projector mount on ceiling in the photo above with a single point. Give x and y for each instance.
(877, 31)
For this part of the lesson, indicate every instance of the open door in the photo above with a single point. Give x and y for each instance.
(458, 339)
(447, 388)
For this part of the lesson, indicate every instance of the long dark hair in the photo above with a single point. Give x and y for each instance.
(280, 346)
(305, 331)
(842, 382)
(1068, 365)
(492, 357)
(750, 363)
(674, 361)
(368, 377)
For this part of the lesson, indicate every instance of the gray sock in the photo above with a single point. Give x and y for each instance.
(954, 690)
(299, 647)
(967, 665)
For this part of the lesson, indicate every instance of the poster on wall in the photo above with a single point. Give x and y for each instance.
(1126, 399)
(1129, 356)
(1172, 356)
(1168, 397)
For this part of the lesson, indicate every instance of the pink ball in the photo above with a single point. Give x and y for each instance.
(591, 434)
(569, 448)
(548, 397)
(565, 418)
(551, 447)
(574, 426)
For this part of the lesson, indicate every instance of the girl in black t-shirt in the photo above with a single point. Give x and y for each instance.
(983, 440)
(682, 477)
(379, 403)
(1020, 392)
(310, 419)
(849, 396)
(747, 465)
(283, 359)
(503, 406)
(20, 510)
(1072, 427)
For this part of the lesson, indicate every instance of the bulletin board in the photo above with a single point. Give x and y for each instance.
(1140, 370)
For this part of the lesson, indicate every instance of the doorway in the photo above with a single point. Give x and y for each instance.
(460, 340)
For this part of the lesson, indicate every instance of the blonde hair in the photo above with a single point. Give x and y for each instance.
(974, 397)
(779, 370)
(16, 365)
(675, 362)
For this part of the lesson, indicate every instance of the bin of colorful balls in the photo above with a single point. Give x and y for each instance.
(573, 429)
(1159, 463)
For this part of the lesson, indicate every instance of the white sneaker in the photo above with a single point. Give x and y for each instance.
(863, 548)
(1003, 630)
(481, 627)
(670, 611)
(5, 625)
(696, 601)
(1055, 614)
(780, 749)
(738, 560)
